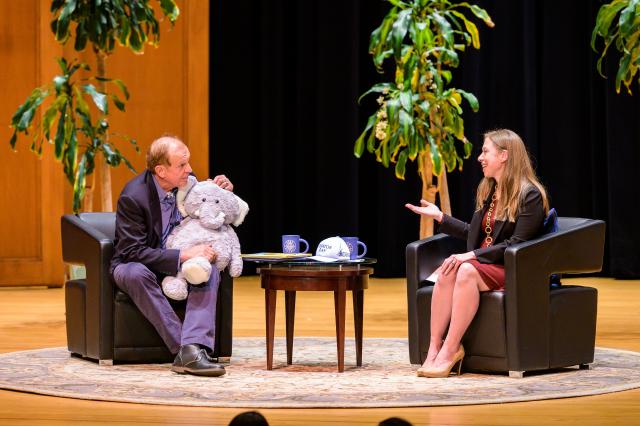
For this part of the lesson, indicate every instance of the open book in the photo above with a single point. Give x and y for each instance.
(274, 256)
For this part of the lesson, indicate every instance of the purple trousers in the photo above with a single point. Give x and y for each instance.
(199, 324)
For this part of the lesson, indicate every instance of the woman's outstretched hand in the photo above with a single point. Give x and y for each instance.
(426, 208)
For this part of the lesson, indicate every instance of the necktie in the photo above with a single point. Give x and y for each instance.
(169, 210)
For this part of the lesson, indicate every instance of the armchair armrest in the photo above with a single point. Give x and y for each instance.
(83, 244)
(577, 247)
(423, 257)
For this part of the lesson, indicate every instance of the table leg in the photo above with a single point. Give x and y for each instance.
(358, 303)
(270, 308)
(290, 303)
(339, 297)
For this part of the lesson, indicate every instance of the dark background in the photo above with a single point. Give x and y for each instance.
(285, 79)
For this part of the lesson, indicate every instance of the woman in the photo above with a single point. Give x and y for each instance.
(510, 208)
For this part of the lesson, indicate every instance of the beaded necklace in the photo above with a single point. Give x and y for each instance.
(488, 229)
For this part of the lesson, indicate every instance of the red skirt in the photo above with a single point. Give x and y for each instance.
(492, 275)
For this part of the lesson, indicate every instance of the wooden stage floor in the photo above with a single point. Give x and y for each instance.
(34, 318)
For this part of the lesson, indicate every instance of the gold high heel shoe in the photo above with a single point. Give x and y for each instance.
(444, 372)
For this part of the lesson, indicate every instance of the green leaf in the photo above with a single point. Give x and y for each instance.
(59, 81)
(409, 69)
(118, 103)
(405, 100)
(399, 30)
(358, 148)
(71, 156)
(401, 165)
(627, 18)
(135, 40)
(13, 140)
(471, 28)
(47, 118)
(445, 28)
(377, 88)
(62, 62)
(393, 105)
(62, 30)
(128, 164)
(436, 157)
(122, 87)
(604, 19)
(478, 12)
(79, 183)
(371, 141)
(471, 99)
(385, 157)
(60, 135)
(170, 9)
(406, 128)
(622, 71)
(81, 37)
(468, 147)
(99, 99)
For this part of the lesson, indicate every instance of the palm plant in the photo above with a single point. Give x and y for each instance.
(419, 114)
(624, 34)
(79, 138)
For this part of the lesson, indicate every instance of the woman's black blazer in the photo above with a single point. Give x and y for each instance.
(528, 225)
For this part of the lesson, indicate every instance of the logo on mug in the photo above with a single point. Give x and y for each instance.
(290, 246)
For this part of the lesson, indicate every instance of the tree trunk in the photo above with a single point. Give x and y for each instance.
(89, 190)
(443, 191)
(428, 191)
(105, 169)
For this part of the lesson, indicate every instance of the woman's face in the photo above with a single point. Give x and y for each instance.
(492, 159)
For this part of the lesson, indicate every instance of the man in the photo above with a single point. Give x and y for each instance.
(145, 216)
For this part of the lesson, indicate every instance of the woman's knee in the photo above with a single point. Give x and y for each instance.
(445, 281)
(466, 273)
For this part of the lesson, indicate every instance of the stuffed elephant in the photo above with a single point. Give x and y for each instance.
(208, 212)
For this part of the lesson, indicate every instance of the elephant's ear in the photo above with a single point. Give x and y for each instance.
(182, 194)
(243, 208)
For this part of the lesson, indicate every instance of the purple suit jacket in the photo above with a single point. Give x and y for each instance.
(138, 235)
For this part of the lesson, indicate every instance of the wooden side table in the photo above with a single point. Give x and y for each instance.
(336, 278)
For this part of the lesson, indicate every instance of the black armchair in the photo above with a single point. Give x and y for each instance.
(103, 324)
(529, 326)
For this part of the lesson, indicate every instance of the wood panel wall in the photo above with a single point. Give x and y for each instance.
(169, 88)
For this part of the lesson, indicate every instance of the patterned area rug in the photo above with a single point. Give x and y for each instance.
(386, 379)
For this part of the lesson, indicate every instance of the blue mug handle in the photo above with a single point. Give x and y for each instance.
(306, 249)
(359, 256)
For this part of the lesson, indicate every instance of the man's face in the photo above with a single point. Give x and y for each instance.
(175, 175)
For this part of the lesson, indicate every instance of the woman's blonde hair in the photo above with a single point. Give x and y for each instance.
(518, 176)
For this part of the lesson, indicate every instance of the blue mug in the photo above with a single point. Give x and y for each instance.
(354, 243)
(291, 244)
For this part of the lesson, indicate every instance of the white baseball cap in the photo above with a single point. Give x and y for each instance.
(331, 250)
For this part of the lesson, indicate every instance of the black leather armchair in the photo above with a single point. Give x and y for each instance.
(529, 326)
(103, 324)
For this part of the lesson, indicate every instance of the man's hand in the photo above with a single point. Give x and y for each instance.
(223, 182)
(199, 250)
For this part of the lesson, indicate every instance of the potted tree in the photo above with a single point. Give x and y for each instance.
(624, 34)
(80, 138)
(419, 114)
